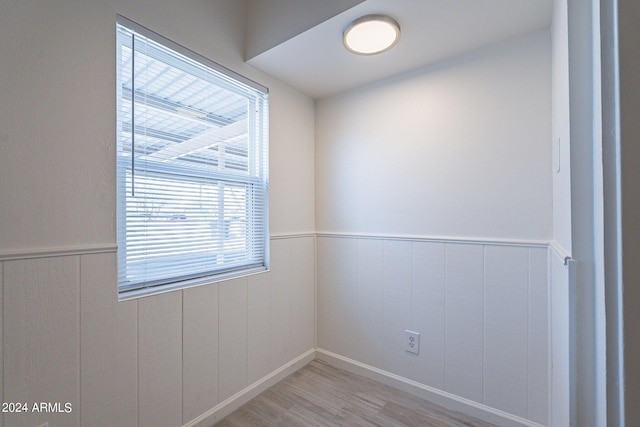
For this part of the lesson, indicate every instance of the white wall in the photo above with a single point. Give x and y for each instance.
(561, 411)
(434, 210)
(585, 121)
(58, 113)
(460, 149)
(561, 134)
(161, 360)
(276, 21)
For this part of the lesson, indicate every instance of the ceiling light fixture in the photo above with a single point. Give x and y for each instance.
(371, 34)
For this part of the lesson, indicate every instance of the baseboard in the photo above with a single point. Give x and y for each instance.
(223, 409)
(448, 400)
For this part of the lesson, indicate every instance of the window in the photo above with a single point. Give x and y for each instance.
(192, 167)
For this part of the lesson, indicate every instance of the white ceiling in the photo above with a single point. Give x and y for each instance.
(316, 63)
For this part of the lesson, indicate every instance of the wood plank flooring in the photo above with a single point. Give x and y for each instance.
(321, 395)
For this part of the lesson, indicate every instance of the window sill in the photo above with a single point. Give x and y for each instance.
(185, 284)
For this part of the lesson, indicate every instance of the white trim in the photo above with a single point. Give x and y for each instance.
(448, 400)
(201, 281)
(226, 407)
(442, 239)
(613, 210)
(291, 236)
(10, 255)
(559, 251)
(56, 252)
(20, 254)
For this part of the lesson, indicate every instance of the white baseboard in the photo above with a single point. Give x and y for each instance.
(223, 409)
(448, 400)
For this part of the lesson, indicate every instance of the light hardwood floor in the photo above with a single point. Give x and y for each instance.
(321, 395)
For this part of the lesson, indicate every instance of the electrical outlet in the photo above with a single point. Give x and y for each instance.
(411, 341)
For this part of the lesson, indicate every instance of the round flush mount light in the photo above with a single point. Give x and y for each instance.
(371, 34)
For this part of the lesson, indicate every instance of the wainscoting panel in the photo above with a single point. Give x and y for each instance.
(464, 327)
(506, 321)
(396, 306)
(233, 337)
(538, 378)
(368, 316)
(302, 296)
(200, 351)
(428, 311)
(41, 338)
(281, 303)
(562, 391)
(260, 328)
(337, 295)
(480, 308)
(160, 360)
(108, 346)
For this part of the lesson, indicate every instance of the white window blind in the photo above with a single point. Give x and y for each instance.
(192, 166)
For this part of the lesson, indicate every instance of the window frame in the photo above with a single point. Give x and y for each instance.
(252, 184)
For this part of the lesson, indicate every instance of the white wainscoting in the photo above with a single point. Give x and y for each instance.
(176, 358)
(480, 308)
(190, 357)
(562, 384)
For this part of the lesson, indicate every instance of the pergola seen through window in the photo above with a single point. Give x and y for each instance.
(192, 166)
